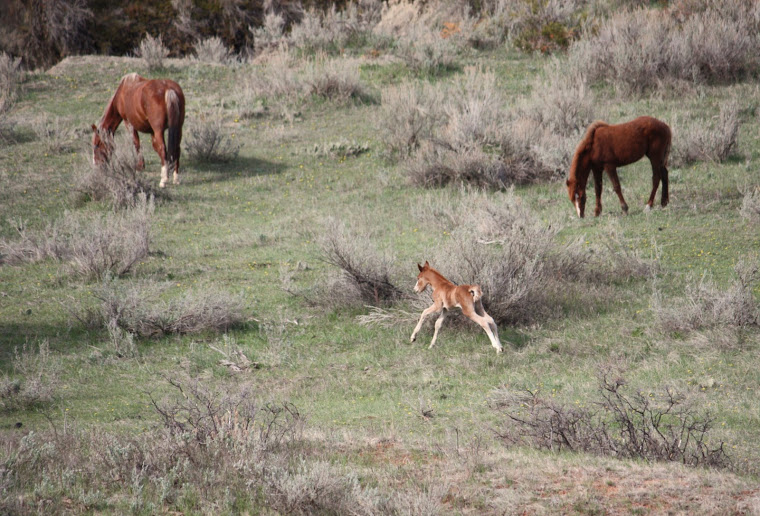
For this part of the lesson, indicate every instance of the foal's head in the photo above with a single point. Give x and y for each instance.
(102, 145)
(577, 195)
(422, 281)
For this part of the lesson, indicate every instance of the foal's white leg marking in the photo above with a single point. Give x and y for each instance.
(164, 176)
(438, 324)
(427, 311)
(486, 325)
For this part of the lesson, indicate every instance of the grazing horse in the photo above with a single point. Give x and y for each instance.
(446, 296)
(147, 106)
(606, 147)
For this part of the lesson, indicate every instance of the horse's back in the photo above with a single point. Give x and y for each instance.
(628, 142)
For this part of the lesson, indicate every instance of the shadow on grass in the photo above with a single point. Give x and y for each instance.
(246, 166)
(61, 337)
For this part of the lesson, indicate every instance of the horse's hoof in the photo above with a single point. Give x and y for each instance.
(647, 207)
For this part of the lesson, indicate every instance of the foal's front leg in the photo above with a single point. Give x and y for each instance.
(438, 324)
(427, 311)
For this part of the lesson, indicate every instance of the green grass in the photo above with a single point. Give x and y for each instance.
(236, 226)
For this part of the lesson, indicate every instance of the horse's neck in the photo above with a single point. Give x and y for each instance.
(437, 280)
(111, 117)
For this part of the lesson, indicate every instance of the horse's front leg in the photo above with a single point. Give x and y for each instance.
(160, 148)
(598, 190)
(427, 311)
(136, 141)
(612, 172)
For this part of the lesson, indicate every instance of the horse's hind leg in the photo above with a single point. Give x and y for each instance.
(656, 176)
(612, 172)
(664, 198)
(160, 148)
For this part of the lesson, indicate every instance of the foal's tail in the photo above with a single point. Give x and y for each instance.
(175, 113)
(476, 292)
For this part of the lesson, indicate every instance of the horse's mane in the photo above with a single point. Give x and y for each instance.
(585, 145)
(129, 78)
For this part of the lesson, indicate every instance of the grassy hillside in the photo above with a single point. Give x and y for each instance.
(351, 417)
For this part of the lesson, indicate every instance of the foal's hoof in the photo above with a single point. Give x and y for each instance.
(499, 351)
(162, 184)
(414, 337)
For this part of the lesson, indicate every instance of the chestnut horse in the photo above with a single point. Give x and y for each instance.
(606, 147)
(147, 106)
(446, 296)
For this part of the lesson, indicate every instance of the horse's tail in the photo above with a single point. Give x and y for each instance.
(175, 115)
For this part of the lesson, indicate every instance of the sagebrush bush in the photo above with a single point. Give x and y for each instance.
(212, 50)
(34, 381)
(9, 79)
(90, 246)
(141, 309)
(409, 114)
(750, 209)
(334, 79)
(118, 181)
(270, 34)
(425, 51)
(205, 140)
(642, 49)
(698, 141)
(153, 52)
(705, 306)
(55, 136)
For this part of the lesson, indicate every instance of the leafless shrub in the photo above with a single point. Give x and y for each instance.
(212, 50)
(118, 181)
(140, 309)
(276, 80)
(334, 79)
(665, 427)
(90, 246)
(696, 141)
(750, 209)
(705, 306)
(152, 51)
(365, 275)
(332, 29)
(54, 135)
(409, 114)
(205, 140)
(34, 381)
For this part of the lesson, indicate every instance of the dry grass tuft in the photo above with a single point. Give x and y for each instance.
(716, 142)
(750, 209)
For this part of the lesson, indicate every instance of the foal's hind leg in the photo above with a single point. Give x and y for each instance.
(486, 322)
(612, 172)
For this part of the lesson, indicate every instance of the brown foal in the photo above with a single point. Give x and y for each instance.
(446, 296)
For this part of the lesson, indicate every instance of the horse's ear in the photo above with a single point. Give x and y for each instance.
(420, 267)
(94, 129)
(427, 265)
(567, 183)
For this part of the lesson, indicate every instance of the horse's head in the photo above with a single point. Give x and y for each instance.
(577, 196)
(422, 281)
(102, 145)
